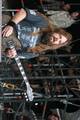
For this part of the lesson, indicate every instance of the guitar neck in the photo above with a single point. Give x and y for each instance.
(29, 89)
(11, 46)
(21, 69)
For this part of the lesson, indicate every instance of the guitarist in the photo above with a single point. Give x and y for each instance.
(35, 32)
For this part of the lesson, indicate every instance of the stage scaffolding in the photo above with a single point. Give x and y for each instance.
(54, 78)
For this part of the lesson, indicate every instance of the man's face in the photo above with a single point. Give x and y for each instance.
(57, 39)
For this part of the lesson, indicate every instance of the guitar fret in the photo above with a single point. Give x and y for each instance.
(23, 73)
(19, 64)
(24, 77)
(20, 67)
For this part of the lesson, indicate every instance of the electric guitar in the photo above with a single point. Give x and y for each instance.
(29, 92)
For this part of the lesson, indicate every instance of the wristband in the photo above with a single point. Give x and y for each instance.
(11, 23)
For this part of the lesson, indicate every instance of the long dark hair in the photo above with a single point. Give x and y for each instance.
(46, 38)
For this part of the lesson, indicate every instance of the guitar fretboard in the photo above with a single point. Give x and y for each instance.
(29, 89)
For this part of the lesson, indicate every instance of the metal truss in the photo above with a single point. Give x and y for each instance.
(54, 78)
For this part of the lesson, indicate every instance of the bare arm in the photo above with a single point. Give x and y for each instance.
(19, 16)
